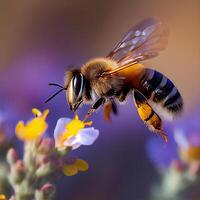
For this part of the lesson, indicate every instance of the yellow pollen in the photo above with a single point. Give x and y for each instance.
(74, 126)
(72, 129)
(36, 112)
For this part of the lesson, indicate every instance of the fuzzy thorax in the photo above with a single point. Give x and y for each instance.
(103, 86)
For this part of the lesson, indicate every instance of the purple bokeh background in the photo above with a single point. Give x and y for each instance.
(40, 39)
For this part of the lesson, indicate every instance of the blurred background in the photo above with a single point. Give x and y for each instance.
(39, 39)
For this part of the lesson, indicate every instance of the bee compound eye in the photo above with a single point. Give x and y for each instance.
(78, 85)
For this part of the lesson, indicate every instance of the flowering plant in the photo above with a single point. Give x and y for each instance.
(31, 177)
(180, 174)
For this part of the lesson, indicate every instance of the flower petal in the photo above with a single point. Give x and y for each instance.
(76, 146)
(81, 165)
(60, 126)
(72, 142)
(20, 130)
(181, 139)
(36, 112)
(70, 170)
(33, 129)
(87, 136)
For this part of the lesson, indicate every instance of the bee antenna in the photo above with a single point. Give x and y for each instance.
(51, 97)
(55, 84)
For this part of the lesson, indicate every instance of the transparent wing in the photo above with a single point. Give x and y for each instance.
(141, 42)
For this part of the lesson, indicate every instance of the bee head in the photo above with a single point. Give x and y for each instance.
(75, 91)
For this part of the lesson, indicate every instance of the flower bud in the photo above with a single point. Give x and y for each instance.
(48, 189)
(46, 146)
(41, 159)
(194, 168)
(178, 165)
(18, 172)
(12, 156)
(39, 195)
(44, 170)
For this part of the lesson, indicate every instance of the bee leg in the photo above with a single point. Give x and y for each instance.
(123, 94)
(114, 107)
(109, 107)
(148, 115)
(163, 135)
(95, 106)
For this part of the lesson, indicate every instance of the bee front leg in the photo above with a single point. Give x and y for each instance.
(95, 106)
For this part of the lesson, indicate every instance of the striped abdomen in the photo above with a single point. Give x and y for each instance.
(159, 90)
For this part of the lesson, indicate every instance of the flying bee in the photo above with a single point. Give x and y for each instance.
(121, 73)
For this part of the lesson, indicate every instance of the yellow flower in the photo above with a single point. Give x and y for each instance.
(72, 133)
(34, 128)
(188, 151)
(2, 197)
(190, 154)
(73, 168)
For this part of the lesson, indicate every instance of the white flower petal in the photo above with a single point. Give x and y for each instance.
(181, 139)
(60, 126)
(70, 141)
(76, 146)
(87, 136)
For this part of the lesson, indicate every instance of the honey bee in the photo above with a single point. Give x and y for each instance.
(121, 73)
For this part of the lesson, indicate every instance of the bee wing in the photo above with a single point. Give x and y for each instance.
(141, 42)
(148, 115)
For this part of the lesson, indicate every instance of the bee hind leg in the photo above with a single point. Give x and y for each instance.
(163, 135)
(148, 115)
(158, 131)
